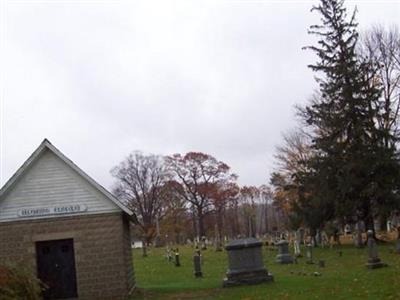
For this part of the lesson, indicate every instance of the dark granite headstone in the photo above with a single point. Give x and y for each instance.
(245, 263)
(283, 256)
(177, 261)
(374, 262)
(197, 265)
(398, 241)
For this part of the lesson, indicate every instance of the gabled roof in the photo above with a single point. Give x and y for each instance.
(46, 145)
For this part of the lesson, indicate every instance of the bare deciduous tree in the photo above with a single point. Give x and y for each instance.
(292, 154)
(141, 181)
(291, 159)
(382, 47)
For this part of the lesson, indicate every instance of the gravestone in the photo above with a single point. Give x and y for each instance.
(168, 254)
(347, 229)
(398, 240)
(324, 240)
(374, 262)
(309, 254)
(197, 265)
(389, 226)
(283, 256)
(245, 263)
(177, 261)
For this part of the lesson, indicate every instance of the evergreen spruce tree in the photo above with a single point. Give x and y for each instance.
(353, 174)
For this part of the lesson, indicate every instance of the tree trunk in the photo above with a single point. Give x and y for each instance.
(235, 222)
(200, 219)
(253, 226)
(195, 227)
(219, 223)
(218, 244)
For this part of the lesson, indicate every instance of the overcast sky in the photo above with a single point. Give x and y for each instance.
(100, 79)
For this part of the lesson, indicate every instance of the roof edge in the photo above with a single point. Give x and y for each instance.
(45, 144)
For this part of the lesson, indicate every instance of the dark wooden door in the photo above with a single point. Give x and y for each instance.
(56, 268)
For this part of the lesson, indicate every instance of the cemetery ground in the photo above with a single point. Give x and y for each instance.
(343, 277)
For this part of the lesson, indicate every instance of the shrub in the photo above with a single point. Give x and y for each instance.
(18, 283)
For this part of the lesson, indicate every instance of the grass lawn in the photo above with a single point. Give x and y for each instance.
(343, 277)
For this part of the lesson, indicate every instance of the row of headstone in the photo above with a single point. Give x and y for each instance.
(299, 238)
(173, 255)
(246, 264)
(284, 257)
(374, 261)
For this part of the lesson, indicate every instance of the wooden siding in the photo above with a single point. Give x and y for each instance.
(51, 182)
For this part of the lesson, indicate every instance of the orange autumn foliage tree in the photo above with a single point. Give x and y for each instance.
(198, 173)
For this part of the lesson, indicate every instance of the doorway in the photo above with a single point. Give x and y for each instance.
(56, 268)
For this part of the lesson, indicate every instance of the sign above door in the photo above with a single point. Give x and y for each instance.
(52, 210)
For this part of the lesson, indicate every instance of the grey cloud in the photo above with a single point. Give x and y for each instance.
(101, 80)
